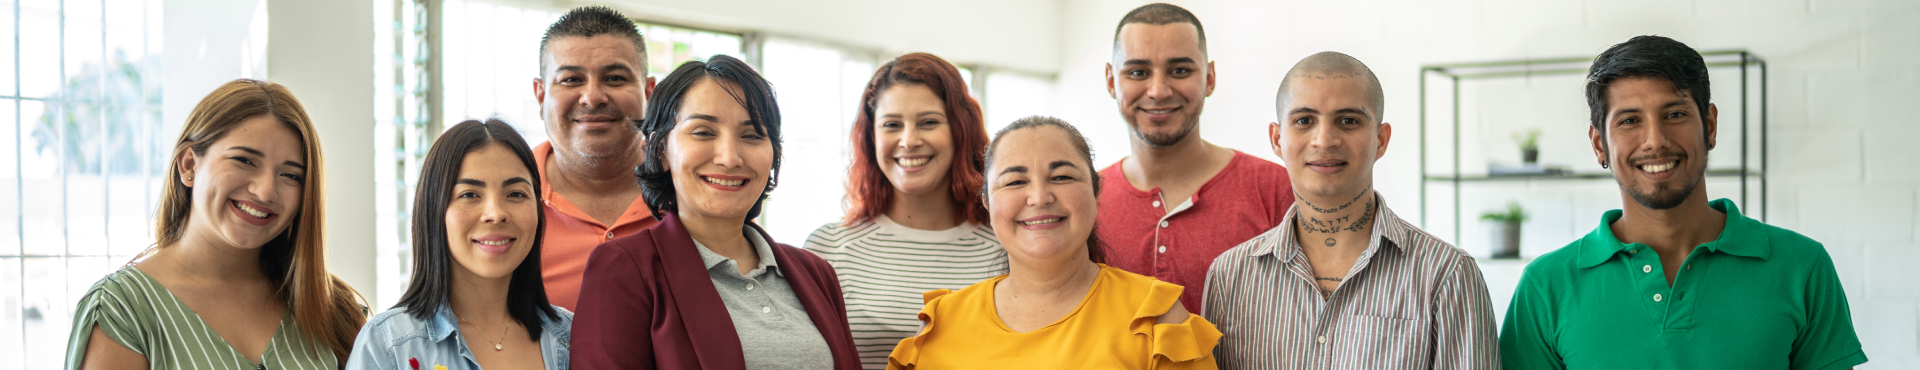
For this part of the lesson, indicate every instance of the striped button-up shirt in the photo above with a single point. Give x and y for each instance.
(1410, 301)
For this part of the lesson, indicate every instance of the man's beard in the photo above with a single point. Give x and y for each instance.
(1661, 200)
(1166, 140)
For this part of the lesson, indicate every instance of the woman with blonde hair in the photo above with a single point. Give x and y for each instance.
(237, 278)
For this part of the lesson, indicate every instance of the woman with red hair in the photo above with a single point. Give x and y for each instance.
(915, 221)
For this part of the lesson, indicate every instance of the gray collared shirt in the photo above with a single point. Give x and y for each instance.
(774, 329)
(1411, 301)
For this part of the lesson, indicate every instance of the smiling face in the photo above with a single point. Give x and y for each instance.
(491, 220)
(247, 185)
(1161, 79)
(591, 89)
(912, 139)
(1041, 195)
(1655, 143)
(1330, 137)
(720, 161)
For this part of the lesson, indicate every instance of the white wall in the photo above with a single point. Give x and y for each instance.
(205, 44)
(1843, 75)
(1015, 34)
(323, 51)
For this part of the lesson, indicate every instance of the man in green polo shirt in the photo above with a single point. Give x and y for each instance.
(1673, 281)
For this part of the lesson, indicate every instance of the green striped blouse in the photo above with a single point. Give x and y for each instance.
(135, 311)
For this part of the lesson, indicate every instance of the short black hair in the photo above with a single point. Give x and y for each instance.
(590, 21)
(663, 113)
(1158, 14)
(1096, 250)
(433, 261)
(1650, 57)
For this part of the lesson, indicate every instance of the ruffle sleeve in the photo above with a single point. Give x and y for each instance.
(1188, 344)
(907, 353)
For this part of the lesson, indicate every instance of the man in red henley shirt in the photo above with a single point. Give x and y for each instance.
(1180, 201)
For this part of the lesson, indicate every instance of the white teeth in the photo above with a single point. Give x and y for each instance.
(1042, 221)
(1159, 111)
(1658, 168)
(496, 243)
(256, 213)
(904, 162)
(725, 182)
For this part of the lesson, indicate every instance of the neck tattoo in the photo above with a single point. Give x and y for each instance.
(1315, 208)
(1317, 226)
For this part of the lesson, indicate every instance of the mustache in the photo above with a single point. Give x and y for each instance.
(1661, 153)
(606, 110)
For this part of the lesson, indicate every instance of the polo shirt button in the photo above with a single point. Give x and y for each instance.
(1633, 251)
(1163, 224)
(1656, 297)
(1323, 339)
(749, 286)
(609, 234)
(1163, 249)
(1689, 267)
(1646, 268)
(766, 309)
(1156, 203)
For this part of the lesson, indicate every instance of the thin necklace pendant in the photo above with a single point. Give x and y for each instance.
(496, 346)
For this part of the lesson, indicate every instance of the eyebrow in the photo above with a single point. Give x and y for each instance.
(1175, 60)
(926, 113)
(609, 67)
(1357, 111)
(1050, 166)
(258, 153)
(703, 117)
(511, 181)
(1669, 104)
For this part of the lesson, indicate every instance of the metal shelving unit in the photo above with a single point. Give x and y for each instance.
(1749, 65)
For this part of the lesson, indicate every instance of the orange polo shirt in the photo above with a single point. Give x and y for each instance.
(571, 235)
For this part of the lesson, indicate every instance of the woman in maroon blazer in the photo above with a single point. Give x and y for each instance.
(707, 289)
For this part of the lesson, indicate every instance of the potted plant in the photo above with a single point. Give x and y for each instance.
(1529, 140)
(1506, 231)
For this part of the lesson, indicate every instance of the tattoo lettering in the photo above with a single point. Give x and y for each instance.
(1315, 208)
(1315, 225)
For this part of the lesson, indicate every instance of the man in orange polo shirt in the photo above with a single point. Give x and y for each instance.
(593, 85)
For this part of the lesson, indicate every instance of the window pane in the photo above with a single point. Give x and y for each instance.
(40, 56)
(84, 40)
(7, 78)
(12, 294)
(818, 88)
(10, 180)
(46, 312)
(86, 190)
(1011, 96)
(43, 192)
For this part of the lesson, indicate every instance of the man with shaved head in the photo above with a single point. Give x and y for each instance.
(1343, 283)
(1177, 201)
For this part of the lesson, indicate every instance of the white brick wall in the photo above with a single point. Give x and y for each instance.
(1845, 80)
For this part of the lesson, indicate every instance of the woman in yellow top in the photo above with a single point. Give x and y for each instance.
(1058, 307)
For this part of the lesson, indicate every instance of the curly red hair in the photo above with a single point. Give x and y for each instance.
(868, 191)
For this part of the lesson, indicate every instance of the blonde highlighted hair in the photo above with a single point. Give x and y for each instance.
(324, 306)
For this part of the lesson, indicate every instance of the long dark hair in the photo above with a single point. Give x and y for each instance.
(663, 113)
(1096, 250)
(432, 259)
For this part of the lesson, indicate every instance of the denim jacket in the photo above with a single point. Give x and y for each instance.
(395, 340)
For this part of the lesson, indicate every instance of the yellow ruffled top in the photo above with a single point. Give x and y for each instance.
(1113, 328)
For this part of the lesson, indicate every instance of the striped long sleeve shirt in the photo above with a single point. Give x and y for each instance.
(885, 268)
(1411, 301)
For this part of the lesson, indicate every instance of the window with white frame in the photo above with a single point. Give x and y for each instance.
(488, 59)
(819, 89)
(82, 150)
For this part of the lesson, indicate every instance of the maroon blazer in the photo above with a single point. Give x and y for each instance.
(646, 302)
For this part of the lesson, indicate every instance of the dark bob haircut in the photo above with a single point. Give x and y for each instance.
(663, 114)
(868, 191)
(1096, 250)
(432, 259)
(1650, 57)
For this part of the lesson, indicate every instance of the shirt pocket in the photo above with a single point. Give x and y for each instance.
(1375, 342)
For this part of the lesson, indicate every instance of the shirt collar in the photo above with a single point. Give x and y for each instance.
(443, 324)
(1387, 230)
(1742, 236)
(760, 248)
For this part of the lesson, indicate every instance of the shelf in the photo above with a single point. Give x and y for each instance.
(1576, 176)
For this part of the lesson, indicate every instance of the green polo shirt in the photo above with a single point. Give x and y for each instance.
(1757, 297)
